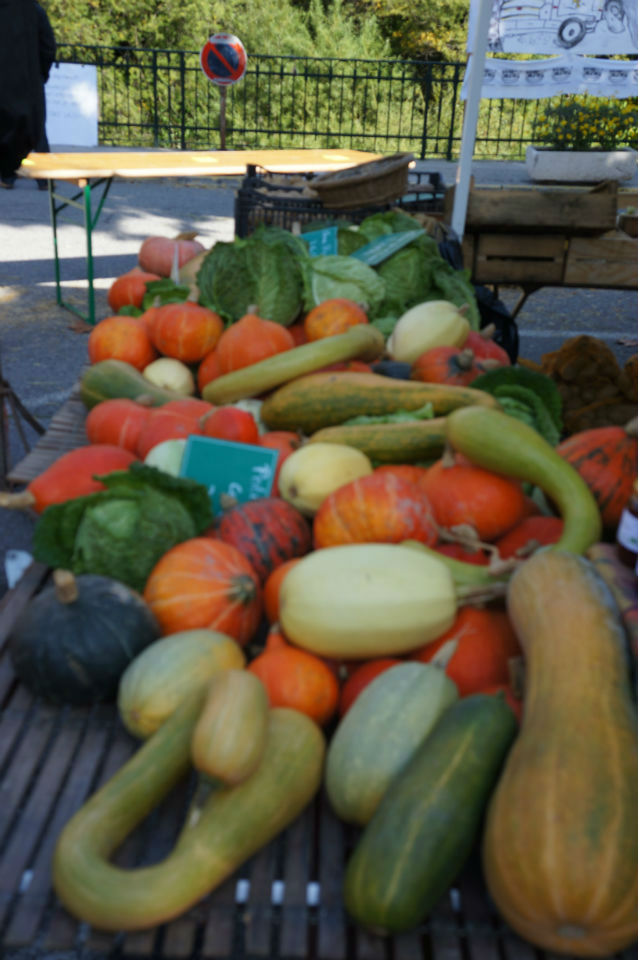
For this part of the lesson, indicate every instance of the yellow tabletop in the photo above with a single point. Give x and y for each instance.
(185, 163)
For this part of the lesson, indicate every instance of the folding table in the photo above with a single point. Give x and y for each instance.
(95, 171)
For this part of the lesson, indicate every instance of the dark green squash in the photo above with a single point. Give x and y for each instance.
(75, 639)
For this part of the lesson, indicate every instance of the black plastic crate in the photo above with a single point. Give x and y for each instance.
(280, 201)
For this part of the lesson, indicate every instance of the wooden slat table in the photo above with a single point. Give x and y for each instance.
(285, 903)
(95, 171)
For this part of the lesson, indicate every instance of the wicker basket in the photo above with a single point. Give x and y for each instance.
(374, 182)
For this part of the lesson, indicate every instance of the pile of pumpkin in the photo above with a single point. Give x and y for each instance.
(358, 628)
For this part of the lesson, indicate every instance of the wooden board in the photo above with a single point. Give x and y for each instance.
(575, 210)
(185, 163)
(609, 261)
(518, 258)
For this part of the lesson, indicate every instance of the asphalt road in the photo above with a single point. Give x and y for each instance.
(42, 351)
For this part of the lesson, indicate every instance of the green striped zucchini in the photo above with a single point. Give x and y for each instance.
(424, 829)
(405, 442)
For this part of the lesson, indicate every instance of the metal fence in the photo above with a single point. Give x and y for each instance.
(161, 98)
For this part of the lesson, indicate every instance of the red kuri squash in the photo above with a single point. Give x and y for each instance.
(185, 331)
(121, 338)
(464, 494)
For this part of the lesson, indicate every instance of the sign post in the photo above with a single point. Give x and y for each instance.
(223, 60)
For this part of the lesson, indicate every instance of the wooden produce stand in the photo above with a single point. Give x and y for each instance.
(285, 903)
(538, 236)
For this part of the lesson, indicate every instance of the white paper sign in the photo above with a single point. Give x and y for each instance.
(533, 79)
(602, 27)
(72, 105)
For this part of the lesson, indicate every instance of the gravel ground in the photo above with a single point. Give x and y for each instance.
(43, 349)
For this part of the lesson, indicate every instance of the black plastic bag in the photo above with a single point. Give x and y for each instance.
(492, 310)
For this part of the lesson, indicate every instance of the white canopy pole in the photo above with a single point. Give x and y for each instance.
(476, 65)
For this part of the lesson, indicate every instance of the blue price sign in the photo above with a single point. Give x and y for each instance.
(322, 241)
(239, 470)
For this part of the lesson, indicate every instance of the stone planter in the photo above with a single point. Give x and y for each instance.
(580, 166)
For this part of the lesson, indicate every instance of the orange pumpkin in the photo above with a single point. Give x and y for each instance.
(129, 289)
(208, 370)
(118, 421)
(333, 316)
(359, 679)
(272, 587)
(607, 460)
(205, 583)
(185, 331)
(158, 253)
(175, 420)
(454, 365)
(484, 347)
(250, 340)
(464, 494)
(531, 533)
(297, 679)
(121, 338)
(376, 508)
(298, 333)
(481, 642)
(230, 423)
(407, 471)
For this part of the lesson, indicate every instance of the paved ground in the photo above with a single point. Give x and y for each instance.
(42, 352)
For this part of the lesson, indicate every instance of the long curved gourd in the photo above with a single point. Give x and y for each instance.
(231, 825)
(496, 441)
(560, 846)
(362, 342)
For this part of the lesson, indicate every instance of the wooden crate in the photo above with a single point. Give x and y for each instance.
(533, 209)
(608, 261)
(516, 258)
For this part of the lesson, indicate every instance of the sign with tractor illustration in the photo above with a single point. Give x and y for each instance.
(600, 27)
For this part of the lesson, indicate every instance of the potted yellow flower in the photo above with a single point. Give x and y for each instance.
(584, 139)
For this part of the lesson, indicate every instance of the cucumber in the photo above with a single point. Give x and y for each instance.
(424, 829)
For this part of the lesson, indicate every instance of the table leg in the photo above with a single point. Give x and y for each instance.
(83, 201)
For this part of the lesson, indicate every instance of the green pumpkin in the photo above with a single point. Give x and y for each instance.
(77, 636)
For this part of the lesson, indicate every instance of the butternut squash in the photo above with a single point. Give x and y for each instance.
(560, 848)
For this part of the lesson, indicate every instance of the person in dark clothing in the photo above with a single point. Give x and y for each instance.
(27, 52)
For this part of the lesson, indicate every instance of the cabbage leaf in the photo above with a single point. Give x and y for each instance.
(122, 532)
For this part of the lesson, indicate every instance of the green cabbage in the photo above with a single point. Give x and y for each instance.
(123, 531)
(332, 275)
(262, 270)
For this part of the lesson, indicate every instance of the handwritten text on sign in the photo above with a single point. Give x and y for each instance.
(239, 470)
